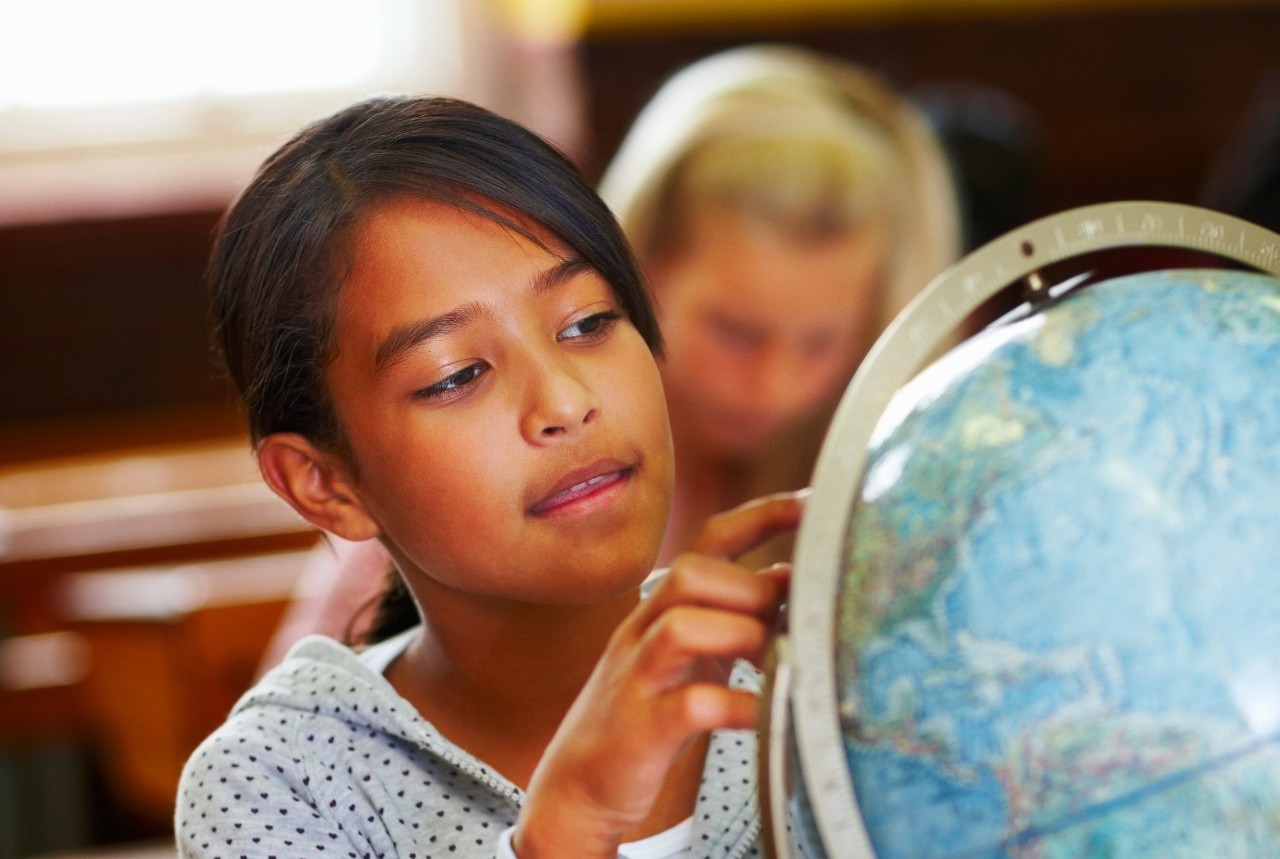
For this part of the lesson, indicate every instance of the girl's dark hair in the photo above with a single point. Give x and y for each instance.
(281, 250)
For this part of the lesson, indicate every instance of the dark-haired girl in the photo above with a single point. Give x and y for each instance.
(442, 343)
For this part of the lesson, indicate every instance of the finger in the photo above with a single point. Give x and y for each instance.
(779, 573)
(689, 643)
(729, 534)
(675, 718)
(713, 582)
(708, 707)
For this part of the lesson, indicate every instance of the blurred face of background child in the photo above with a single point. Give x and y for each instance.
(762, 326)
(785, 206)
(506, 420)
(768, 273)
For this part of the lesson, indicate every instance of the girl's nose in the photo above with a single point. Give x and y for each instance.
(560, 404)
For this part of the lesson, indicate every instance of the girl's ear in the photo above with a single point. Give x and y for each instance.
(316, 485)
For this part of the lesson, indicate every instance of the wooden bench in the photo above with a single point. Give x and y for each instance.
(166, 568)
(45, 783)
(155, 505)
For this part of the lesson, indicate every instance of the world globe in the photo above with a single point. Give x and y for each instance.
(1053, 604)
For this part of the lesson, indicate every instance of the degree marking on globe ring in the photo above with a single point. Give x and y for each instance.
(972, 285)
(1212, 231)
(1090, 227)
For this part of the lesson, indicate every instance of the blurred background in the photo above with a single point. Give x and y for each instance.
(142, 565)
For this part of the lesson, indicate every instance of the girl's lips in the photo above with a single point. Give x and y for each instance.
(581, 484)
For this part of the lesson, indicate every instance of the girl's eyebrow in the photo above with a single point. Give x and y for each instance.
(407, 337)
(552, 277)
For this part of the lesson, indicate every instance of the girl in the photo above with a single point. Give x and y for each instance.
(442, 343)
(786, 206)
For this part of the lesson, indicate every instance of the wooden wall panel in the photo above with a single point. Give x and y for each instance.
(1130, 104)
(104, 316)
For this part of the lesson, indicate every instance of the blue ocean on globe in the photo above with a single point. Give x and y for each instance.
(1059, 616)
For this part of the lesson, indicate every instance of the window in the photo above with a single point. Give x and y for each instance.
(151, 104)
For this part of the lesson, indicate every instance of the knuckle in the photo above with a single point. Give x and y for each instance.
(674, 629)
(701, 706)
(682, 581)
(719, 526)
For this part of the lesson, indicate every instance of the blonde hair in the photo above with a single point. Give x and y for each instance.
(804, 142)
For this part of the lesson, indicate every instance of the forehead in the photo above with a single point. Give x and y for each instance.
(420, 247)
(750, 266)
(411, 259)
(438, 225)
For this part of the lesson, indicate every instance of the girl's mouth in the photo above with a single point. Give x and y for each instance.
(580, 489)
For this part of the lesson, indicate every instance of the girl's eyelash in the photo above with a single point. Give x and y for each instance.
(452, 384)
(596, 325)
(590, 328)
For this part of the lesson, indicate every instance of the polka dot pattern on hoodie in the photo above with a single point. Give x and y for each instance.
(323, 759)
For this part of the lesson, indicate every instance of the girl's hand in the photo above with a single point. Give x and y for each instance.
(661, 683)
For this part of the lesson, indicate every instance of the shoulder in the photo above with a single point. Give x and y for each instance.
(270, 759)
(245, 782)
(322, 755)
(318, 669)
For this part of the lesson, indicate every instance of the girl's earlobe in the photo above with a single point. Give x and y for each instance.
(313, 484)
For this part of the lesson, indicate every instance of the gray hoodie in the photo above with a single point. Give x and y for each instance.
(322, 758)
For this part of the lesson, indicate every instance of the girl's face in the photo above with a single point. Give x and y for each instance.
(762, 329)
(508, 420)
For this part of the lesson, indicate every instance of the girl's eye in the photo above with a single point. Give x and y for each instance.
(591, 327)
(453, 384)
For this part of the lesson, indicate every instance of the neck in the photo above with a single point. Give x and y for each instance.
(520, 653)
(497, 677)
